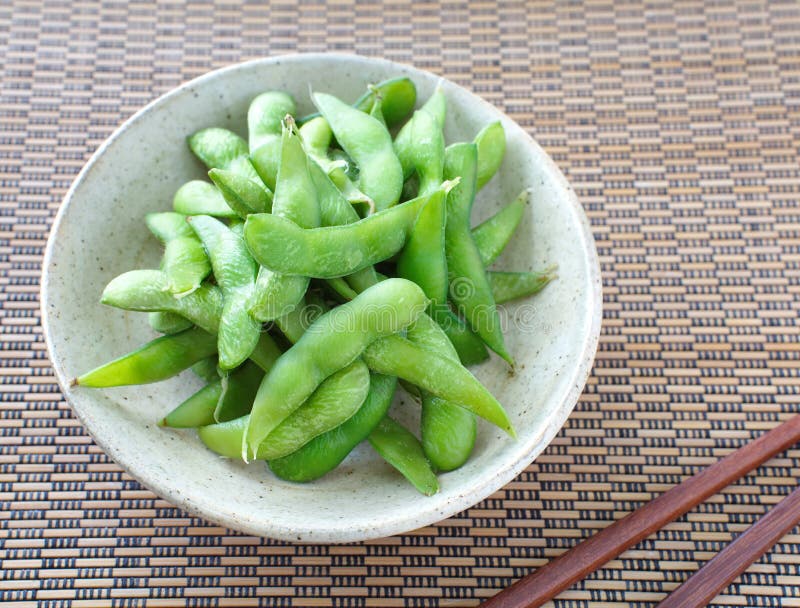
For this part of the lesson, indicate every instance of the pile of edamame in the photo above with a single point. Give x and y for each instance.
(329, 259)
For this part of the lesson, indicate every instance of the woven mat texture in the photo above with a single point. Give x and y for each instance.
(678, 123)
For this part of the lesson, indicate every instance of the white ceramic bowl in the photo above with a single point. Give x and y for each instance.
(99, 232)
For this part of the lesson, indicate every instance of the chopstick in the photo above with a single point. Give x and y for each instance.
(548, 581)
(715, 575)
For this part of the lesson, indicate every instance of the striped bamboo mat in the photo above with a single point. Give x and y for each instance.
(678, 124)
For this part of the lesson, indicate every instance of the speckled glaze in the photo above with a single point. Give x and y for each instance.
(99, 232)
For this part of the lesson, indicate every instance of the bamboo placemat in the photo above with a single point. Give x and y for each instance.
(678, 123)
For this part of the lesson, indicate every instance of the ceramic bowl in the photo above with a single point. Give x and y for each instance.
(99, 232)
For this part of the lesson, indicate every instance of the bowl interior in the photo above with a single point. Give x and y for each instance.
(100, 233)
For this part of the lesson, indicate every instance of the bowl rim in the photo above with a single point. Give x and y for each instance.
(413, 519)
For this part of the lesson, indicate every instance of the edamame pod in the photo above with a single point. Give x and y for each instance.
(376, 111)
(295, 200)
(336, 400)
(331, 251)
(242, 195)
(235, 272)
(469, 287)
(148, 290)
(469, 346)
(436, 106)
(369, 144)
(197, 410)
(222, 149)
(238, 391)
(157, 360)
(144, 290)
(334, 211)
(265, 116)
(447, 430)
(185, 263)
(264, 122)
(324, 453)
(492, 236)
(341, 287)
(317, 135)
(422, 260)
(206, 369)
(399, 97)
(294, 324)
(508, 286)
(167, 322)
(491, 143)
(332, 342)
(398, 446)
(168, 225)
(436, 374)
(201, 198)
(217, 147)
(420, 144)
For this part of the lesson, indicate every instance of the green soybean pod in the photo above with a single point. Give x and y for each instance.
(238, 391)
(330, 405)
(492, 236)
(206, 369)
(201, 198)
(157, 360)
(420, 144)
(436, 106)
(317, 135)
(168, 322)
(447, 430)
(197, 410)
(423, 260)
(335, 210)
(277, 294)
(222, 149)
(327, 451)
(441, 376)
(235, 271)
(508, 286)
(376, 110)
(265, 115)
(469, 287)
(185, 262)
(332, 342)
(217, 147)
(242, 195)
(399, 96)
(168, 225)
(369, 144)
(469, 346)
(491, 143)
(400, 448)
(148, 291)
(145, 290)
(341, 288)
(330, 251)
(264, 123)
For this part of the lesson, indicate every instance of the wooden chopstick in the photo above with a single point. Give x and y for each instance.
(715, 575)
(548, 581)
